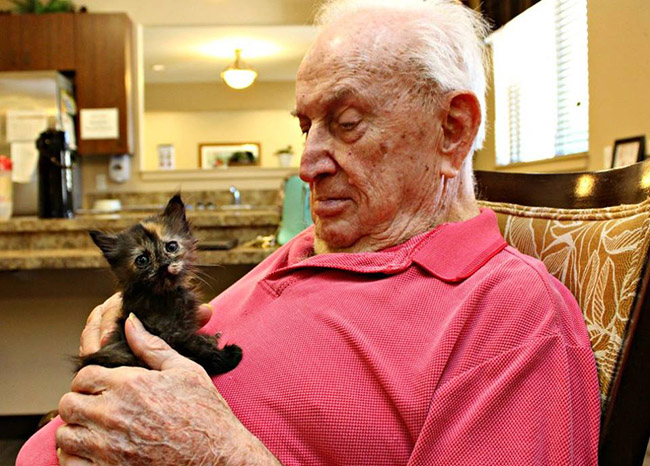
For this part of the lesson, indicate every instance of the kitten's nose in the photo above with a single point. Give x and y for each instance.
(174, 268)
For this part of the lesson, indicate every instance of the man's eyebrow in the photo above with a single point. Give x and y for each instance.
(338, 95)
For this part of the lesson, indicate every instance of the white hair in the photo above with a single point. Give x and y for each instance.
(449, 54)
(449, 38)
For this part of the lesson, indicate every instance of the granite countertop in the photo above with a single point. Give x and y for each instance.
(33, 243)
(118, 221)
(92, 258)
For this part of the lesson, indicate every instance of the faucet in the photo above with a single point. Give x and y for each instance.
(236, 196)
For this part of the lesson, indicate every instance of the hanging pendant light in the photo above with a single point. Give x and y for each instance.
(238, 75)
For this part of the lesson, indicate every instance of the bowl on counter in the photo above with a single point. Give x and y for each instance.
(236, 207)
(107, 205)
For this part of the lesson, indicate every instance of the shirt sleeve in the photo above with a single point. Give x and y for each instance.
(528, 405)
(40, 449)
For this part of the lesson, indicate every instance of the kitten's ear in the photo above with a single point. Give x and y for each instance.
(107, 243)
(175, 211)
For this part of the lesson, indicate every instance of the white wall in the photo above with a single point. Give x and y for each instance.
(273, 129)
(619, 96)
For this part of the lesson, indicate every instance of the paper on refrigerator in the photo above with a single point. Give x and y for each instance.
(24, 156)
(25, 125)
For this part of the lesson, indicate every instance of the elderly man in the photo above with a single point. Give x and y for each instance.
(401, 329)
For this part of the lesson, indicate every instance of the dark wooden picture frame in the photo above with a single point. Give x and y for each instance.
(628, 151)
(227, 154)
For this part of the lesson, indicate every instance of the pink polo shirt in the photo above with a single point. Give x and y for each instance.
(450, 349)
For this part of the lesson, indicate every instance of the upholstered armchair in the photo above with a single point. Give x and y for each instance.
(592, 230)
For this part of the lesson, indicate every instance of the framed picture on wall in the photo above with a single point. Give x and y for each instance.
(225, 154)
(628, 151)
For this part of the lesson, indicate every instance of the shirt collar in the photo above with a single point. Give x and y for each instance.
(451, 251)
(460, 249)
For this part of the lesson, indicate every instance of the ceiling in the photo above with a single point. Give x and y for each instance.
(200, 53)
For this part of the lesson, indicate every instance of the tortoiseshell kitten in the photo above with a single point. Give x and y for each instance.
(153, 262)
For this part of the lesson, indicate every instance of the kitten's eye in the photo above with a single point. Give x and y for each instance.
(142, 260)
(172, 246)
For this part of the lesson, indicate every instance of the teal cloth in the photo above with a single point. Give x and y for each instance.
(296, 215)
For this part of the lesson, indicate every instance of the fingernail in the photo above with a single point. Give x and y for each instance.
(134, 320)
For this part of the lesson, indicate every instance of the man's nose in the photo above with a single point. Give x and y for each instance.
(317, 158)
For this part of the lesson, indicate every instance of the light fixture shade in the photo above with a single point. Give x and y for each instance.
(238, 78)
(238, 75)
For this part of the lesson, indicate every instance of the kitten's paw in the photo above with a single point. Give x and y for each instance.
(224, 360)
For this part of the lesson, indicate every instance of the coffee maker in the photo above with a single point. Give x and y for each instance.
(55, 175)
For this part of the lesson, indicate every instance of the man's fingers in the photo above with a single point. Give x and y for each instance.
(70, 460)
(203, 314)
(90, 339)
(100, 324)
(70, 408)
(90, 380)
(112, 308)
(157, 354)
(76, 443)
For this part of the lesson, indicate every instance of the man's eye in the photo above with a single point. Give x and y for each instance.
(349, 119)
(171, 246)
(142, 260)
(348, 125)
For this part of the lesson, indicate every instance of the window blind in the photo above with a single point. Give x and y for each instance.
(572, 133)
(541, 82)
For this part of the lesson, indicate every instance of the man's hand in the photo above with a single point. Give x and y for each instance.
(102, 321)
(170, 415)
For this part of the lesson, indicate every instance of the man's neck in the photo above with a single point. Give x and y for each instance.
(411, 228)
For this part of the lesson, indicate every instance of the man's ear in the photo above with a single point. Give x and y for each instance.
(460, 122)
(107, 243)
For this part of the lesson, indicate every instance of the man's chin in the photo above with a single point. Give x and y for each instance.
(332, 239)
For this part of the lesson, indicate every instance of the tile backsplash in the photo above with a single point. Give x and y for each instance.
(263, 197)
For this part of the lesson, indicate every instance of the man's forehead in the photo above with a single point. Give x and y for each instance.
(359, 46)
(330, 56)
(366, 31)
(350, 57)
(324, 97)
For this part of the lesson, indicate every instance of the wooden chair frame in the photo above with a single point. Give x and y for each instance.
(625, 421)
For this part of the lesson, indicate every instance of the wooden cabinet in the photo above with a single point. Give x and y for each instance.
(104, 75)
(97, 48)
(37, 42)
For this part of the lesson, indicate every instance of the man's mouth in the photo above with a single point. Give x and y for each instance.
(330, 206)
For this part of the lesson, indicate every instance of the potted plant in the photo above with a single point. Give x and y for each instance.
(284, 156)
(38, 6)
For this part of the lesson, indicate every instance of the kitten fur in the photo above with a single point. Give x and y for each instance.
(153, 263)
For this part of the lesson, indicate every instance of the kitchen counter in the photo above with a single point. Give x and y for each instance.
(92, 258)
(119, 221)
(33, 243)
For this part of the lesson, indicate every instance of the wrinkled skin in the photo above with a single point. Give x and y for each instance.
(374, 156)
(374, 159)
(171, 414)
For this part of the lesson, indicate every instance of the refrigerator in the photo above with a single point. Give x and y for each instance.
(30, 101)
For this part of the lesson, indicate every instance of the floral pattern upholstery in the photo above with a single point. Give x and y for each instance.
(597, 253)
